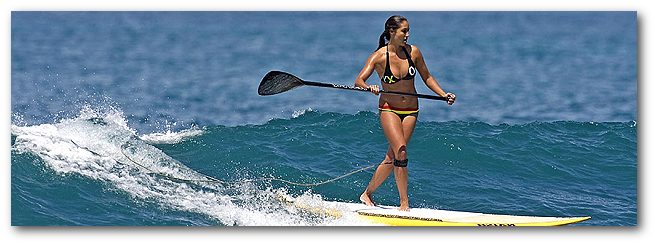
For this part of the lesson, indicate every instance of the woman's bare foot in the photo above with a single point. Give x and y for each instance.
(366, 199)
(404, 206)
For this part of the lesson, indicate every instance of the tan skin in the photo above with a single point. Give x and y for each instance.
(397, 132)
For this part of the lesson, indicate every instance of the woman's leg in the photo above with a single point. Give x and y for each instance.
(393, 129)
(398, 134)
(401, 173)
(382, 172)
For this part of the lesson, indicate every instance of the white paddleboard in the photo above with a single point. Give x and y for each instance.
(390, 215)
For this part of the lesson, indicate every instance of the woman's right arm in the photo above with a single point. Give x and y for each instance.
(366, 72)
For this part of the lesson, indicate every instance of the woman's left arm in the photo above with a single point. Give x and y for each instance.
(429, 80)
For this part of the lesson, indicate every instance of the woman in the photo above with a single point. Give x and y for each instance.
(396, 63)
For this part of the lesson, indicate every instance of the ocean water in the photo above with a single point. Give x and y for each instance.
(116, 116)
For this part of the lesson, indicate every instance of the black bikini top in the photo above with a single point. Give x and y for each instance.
(388, 77)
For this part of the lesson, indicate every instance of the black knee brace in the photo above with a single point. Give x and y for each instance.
(401, 163)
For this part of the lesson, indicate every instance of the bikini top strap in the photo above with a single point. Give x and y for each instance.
(387, 53)
(408, 55)
(387, 66)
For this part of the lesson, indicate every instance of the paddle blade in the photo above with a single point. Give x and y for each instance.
(276, 82)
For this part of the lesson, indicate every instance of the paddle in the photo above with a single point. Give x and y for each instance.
(276, 82)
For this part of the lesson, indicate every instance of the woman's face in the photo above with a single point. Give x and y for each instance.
(400, 35)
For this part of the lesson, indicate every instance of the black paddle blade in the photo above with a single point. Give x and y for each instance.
(276, 82)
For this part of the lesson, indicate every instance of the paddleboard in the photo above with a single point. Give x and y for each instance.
(389, 215)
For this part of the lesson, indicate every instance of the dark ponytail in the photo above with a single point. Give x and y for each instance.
(392, 23)
(381, 40)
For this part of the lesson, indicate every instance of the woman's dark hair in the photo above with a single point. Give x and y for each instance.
(392, 23)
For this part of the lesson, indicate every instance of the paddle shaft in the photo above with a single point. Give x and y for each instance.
(325, 85)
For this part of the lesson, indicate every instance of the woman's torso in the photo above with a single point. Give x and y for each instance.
(400, 68)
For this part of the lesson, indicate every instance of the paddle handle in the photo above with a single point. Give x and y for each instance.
(326, 85)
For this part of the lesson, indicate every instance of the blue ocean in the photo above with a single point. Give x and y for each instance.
(153, 118)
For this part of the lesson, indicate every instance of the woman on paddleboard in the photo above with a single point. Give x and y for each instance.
(396, 63)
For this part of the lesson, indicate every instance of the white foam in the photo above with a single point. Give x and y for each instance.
(300, 112)
(171, 137)
(100, 146)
